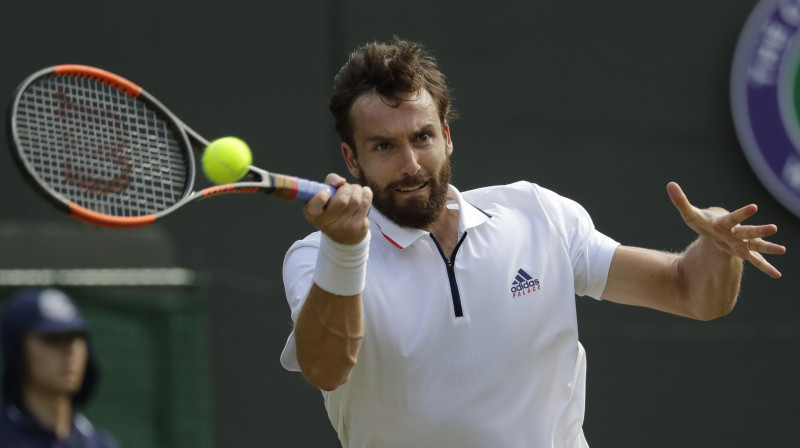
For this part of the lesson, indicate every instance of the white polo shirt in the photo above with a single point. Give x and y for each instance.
(481, 352)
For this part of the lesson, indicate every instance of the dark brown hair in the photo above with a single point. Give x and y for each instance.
(388, 70)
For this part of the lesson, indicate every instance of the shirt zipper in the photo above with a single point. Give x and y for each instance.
(451, 274)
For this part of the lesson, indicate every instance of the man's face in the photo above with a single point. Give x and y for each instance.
(55, 363)
(402, 155)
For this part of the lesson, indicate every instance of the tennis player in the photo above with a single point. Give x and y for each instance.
(431, 317)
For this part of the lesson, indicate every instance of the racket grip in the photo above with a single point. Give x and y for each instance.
(306, 189)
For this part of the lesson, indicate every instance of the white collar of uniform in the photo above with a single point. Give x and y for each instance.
(402, 237)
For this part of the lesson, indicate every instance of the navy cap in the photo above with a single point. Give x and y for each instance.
(43, 311)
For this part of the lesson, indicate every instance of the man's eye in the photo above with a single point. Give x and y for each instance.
(382, 147)
(424, 137)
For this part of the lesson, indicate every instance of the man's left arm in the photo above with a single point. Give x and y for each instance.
(703, 281)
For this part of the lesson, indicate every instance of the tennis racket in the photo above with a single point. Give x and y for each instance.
(108, 153)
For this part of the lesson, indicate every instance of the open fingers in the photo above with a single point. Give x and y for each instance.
(753, 232)
(765, 247)
(726, 231)
(679, 200)
(756, 247)
(736, 217)
(763, 265)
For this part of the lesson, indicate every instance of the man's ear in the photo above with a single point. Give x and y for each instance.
(351, 160)
(448, 140)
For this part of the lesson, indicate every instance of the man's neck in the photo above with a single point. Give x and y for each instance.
(53, 411)
(445, 229)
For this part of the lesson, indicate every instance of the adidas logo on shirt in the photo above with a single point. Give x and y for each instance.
(523, 284)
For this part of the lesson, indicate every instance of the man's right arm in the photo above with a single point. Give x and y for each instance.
(330, 326)
(328, 334)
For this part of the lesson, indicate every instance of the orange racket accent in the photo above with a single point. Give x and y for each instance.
(115, 81)
(91, 217)
(227, 189)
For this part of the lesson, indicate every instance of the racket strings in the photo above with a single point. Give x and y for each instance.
(101, 148)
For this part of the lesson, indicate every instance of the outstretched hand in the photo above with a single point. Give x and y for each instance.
(726, 231)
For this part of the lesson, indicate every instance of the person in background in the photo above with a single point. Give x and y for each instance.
(49, 372)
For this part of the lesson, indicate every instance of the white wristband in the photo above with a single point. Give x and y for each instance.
(342, 268)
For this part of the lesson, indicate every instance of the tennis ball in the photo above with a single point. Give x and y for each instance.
(226, 160)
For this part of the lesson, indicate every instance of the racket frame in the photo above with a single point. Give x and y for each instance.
(258, 180)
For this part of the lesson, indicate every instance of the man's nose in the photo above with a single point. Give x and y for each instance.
(410, 166)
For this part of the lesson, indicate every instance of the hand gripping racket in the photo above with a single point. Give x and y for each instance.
(108, 153)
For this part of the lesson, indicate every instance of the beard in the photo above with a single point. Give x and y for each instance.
(419, 211)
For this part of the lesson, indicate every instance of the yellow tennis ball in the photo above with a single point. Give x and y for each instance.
(226, 160)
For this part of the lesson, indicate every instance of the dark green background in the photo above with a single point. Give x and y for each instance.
(603, 102)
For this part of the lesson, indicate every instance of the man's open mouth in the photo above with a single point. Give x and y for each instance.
(412, 188)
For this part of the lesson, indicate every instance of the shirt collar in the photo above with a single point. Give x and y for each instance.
(402, 237)
(23, 420)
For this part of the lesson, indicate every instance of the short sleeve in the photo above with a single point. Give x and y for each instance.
(590, 251)
(298, 276)
(591, 269)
